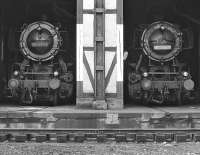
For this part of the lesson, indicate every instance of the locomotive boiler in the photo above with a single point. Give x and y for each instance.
(159, 74)
(43, 73)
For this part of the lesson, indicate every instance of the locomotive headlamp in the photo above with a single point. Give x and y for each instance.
(185, 74)
(146, 84)
(13, 83)
(55, 73)
(54, 84)
(145, 74)
(188, 84)
(162, 28)
(16, 73)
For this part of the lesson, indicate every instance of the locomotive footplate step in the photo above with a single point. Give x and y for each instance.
(68, 117)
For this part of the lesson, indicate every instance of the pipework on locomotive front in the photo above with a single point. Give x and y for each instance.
(160, 75)
(43, 74)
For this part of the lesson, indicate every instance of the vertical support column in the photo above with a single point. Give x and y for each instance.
(99, 51)
(99, 55)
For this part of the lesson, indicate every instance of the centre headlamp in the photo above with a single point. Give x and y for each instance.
(185, 74)
(16, 73)
(145, 74)
(55, 73)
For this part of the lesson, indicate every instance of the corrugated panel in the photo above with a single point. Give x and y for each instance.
(110, 30)
(110, 4)
(88, 30)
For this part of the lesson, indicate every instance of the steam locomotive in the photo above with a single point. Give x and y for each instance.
(42, 74)
(158, 76)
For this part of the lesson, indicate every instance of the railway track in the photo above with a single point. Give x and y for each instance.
(99, 135)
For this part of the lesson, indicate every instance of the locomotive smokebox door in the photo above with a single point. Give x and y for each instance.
(161, 41)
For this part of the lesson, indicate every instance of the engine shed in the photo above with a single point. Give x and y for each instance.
(86, 50)
(100, 31)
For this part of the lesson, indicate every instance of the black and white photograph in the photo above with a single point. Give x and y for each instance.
(99, 77)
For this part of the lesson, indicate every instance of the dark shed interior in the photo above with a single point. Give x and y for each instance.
(184, 13)
(14, 14)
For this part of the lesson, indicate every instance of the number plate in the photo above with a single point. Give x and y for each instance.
(163, 47)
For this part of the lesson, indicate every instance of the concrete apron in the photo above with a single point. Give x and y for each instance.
(70, 117)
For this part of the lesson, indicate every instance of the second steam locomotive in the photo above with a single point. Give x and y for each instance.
(159, 76)
(42, 74)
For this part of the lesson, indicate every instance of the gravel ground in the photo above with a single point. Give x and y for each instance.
(99, 149)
